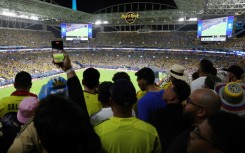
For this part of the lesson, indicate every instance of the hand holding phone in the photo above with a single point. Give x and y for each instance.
(66, 65)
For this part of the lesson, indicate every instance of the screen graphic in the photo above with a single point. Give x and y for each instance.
(75, 31)
(216, 28)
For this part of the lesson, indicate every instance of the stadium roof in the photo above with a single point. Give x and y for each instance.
(150, 11)
(92, 6)
(40, 9)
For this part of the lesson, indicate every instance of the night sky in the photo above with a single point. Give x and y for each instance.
(91, 6)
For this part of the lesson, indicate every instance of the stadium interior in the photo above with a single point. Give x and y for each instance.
(145, 39)
(165, 28)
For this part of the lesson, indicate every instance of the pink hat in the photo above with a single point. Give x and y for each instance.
(27, 108)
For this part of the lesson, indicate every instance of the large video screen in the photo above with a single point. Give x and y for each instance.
(75, 31)
(217, 27)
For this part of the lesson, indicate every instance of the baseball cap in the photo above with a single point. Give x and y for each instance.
(235, 69)
(27, 108)
(123, 92)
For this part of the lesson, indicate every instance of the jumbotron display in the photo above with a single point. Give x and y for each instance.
(216, 29)
(75, 31)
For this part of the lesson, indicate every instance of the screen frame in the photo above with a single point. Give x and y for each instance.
(76, 37)
(228, 33)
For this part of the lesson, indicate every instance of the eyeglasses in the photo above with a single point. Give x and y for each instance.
(189, 101)
(198, 133)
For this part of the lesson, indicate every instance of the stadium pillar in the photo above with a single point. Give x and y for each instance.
(74, 5)
(102, 29)
(44, 27)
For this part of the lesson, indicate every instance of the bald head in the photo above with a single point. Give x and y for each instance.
(208, 99)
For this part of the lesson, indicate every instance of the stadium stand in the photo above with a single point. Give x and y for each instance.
(126, 37)
(25, 38)
(39, 63)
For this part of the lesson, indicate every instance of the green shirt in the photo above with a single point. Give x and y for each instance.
(128, 135)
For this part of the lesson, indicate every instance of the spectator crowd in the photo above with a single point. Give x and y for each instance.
(39, 63)
(26, 38)
(199, 108)
(204, 116)
(151, 39)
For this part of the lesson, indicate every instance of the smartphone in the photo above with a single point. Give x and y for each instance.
(57, 45)
(58, 56)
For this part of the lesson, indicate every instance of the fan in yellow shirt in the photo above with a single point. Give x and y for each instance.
(123, 133)
(90, 82)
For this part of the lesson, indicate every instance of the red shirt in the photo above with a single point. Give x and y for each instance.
(23, 93)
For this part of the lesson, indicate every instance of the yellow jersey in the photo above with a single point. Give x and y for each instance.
(92, 103)
(128, 135)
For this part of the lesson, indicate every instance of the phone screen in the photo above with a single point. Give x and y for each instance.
(57, 47)
(58, 58)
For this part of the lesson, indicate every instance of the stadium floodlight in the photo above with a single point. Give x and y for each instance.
(105, 22)
(10, 14)
(193, 19)
(98, 22)
(181, 19)
(34, 18)
(24, 16)
(18, 15)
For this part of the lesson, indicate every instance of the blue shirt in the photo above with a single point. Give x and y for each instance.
(151, 102)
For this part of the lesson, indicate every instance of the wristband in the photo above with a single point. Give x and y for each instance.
(70, 70)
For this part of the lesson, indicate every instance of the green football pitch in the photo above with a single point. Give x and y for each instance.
(78, 32)
(216, 30)
(105, 75)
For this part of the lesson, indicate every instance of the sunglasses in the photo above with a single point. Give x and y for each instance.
(200, 136)
(189, 101)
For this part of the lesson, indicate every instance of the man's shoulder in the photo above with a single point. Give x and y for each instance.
(103, 126)
(10, 99)
(110, 125)
(145, 127)
(200, 79)
(90, 96)
(150, 94)
(153, 95)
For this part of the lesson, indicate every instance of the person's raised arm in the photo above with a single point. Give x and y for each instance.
(74, 87)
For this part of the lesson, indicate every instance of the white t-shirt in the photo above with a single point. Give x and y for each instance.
(102, 115)
(198, 83)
